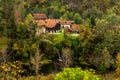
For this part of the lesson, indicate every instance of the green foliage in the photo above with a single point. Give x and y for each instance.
(62, 10)
(38, 77)
(1, 9)
(48, 77)
(95, 47)
(103, 61)
(76, 74)
(28, 78)
(13, 69)
(56, 14)
(28, 19)
(67, 16)
(77, 18)
(56, 37)
(64, 17)
(112, 18)
(101, 26)
(37, 61)
(3, 43)
(91, 15)
(67, 59)
(24, 49)
(3, 29)
(22, 31)
(118, 64)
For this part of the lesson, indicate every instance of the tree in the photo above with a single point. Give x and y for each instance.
(8, 17)
(101, 26)
(103, 5)
(103, 60)
(67, 57)
(112, 18)
(55, 13)
(36, 61)
(29, 18)
(92, 14)
(4, 57)
(65, 16)
(77, 18)
(1, 9)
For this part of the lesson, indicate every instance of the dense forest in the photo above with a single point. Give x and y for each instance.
(92, 55)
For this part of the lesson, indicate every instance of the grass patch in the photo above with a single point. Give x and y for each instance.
(56, 37)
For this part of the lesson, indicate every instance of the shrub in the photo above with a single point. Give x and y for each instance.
(38, 77)
(28, 78)
(103, 60)
(76, 74)
(118, 63)
(12, 69)
(47, 77)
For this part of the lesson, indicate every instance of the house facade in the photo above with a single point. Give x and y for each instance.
(48, 25)
(65, 24)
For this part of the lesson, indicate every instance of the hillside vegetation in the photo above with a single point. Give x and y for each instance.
(92, 55)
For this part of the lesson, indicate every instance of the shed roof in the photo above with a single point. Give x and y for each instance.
(39, 16)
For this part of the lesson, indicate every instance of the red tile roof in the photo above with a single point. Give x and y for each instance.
(50, 23)
(41, 23)
(76, 27)
(39, 16)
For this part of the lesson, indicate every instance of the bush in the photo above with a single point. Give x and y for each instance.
(38, 77)
(103, 60)
(118, 63)
(48, 77)
(28, 78)
(76, 74)
(12, 69)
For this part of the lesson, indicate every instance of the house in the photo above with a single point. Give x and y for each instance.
(38, 16)
(65, 24)
(48, 25)
(40, 27)
(76, 28)
(52, 25)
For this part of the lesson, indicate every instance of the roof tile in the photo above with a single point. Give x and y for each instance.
(39, 16)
